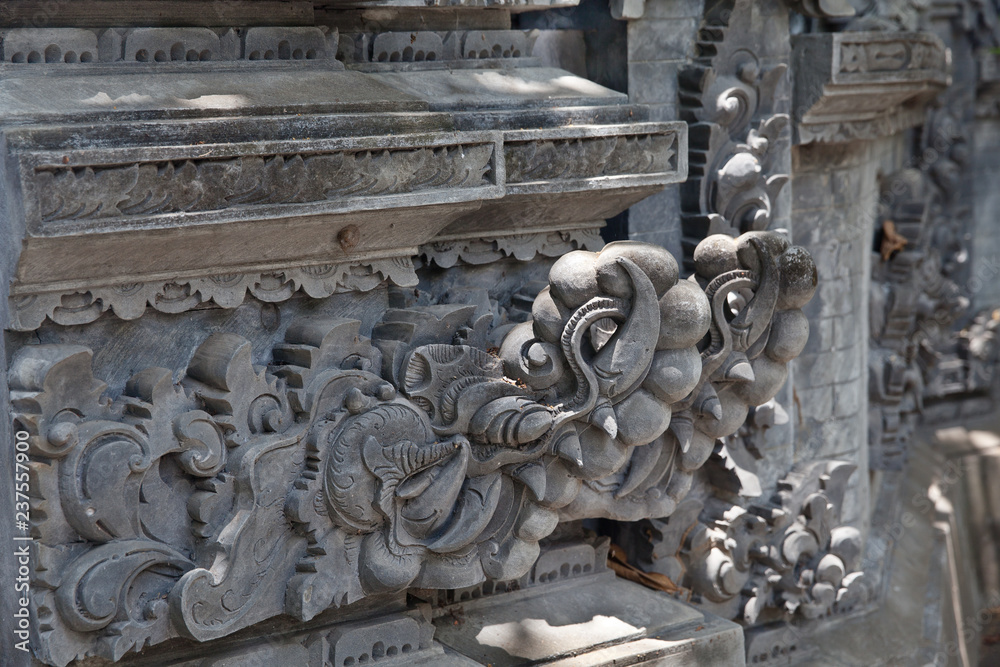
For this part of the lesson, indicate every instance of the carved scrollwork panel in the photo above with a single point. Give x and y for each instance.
(354, 467)
(736, 169)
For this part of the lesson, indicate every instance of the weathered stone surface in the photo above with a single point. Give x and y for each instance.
(318, 354)
(409, 420)
(862, 85)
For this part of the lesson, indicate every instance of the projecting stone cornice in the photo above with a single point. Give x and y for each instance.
(864, 85)
(171, 184)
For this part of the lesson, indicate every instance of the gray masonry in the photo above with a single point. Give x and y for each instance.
(563, 332)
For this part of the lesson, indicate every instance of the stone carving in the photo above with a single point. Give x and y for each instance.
(915, 302)
(440, 179)
(732, 184)
(288, 44)
(896, 383)
(515, 5)
(522, 247)
(355, 467)
(168, 45)
(789, 558)
(589, 157)
(50, 45)
(394, 49)
(227, 291)
(192, 185)
(833, 89)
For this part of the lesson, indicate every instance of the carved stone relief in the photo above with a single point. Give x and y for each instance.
(787, 559)
(732, 186)
(94, 203)
(395, 50)
(77, 46)
(434, 454)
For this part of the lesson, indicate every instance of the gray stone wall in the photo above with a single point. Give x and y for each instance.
(984, 283)
(835, 193)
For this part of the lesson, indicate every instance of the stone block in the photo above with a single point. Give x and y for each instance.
(848, 398)
(661, 112)
(816, 370)
(49, 45)
(810, 190)
(653, 82)
(833, 297)
(654, 40)
(827, 259)
(821, 335)
(656, 219)
(599, 620)
(850, 363)
(817, 402)
(672, 9)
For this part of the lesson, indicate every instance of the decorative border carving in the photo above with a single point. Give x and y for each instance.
(117, 191)
(227, 291)
(65, 192)
(447, 253)
(376, 52)
(841, 74)
(162, 47)
(571, 158)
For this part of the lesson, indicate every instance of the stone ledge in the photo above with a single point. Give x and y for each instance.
(864, 85)
(600, 620)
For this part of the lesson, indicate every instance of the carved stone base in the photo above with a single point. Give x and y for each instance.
(592, 620)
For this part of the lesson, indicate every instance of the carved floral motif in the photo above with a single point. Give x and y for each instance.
(354, 467)
(227, 290)
(523, 247)
(788, 558)
(589, 157)
(156, 188)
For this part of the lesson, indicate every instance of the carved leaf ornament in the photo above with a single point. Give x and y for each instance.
(355, 466)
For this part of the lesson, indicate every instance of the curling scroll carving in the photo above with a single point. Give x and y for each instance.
(355, 466)
(728, 95)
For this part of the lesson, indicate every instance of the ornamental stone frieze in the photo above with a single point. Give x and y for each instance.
(864, 85)
(353, 467)
(341, 199)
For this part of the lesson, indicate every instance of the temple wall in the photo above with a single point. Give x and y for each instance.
(566, 332)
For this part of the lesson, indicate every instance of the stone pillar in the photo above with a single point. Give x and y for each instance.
(834, 193)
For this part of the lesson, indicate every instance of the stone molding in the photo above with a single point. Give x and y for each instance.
(422, 49)
(335, 198)
(201, 506)
(475, 249)
(863, 85)
(26, 49)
